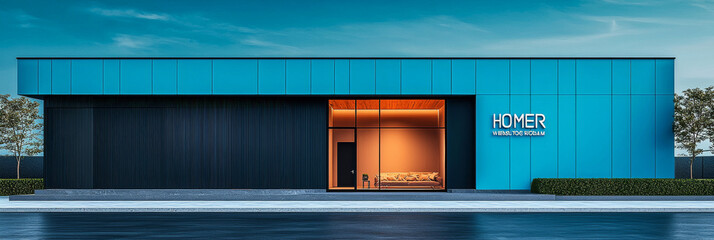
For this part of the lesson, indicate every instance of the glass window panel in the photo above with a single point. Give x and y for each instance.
(412, 159)
(397, 144)
(367, 158)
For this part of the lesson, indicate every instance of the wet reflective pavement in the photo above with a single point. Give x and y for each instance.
(358, 225)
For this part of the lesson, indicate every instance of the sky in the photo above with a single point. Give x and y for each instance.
(595, 28)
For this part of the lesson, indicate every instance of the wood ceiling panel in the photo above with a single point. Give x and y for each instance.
(388, 104)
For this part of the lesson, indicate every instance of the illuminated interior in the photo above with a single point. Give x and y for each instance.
(399, 144)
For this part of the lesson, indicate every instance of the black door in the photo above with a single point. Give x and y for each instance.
(346, 164)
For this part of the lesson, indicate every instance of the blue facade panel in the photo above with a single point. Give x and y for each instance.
(544, 149)
(362, 76)
(45, 77)
(643, 136)
(389, 76)
(442, 77)
(416, 76)
(492, 160)
(492, 76)
(195, 77)
(271, 76)
(566, 76)
(544, 76)
(621, 136)
(323, 76)
(463, 77)
(235, 76)
(620, 76)
(87, 76)
(164, 77)
(61, 76)
(298, 77)
(520, 164)
(643, 76)
(593, 76)
(566, 136)
(664, 74)
(342, 76)
(112, 76)
(135, 76)
(27, 77)
(593, 136)
(664, 137)
(520, 76)
(605, 117)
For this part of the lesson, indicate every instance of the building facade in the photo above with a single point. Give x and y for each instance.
(365, 124)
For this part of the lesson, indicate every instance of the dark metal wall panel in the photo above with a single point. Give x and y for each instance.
(196, 142)
(128, 148)
(703, 167)
(460, 143)
(68, 148)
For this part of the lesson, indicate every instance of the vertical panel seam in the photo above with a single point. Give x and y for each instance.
(510, 138)
(451, 79)
(575, 117)
(103, 91)
(655, 118)
(557, 118)
(257, 76)
(630, 120)
(611, 117)
(285, 76)
(530, 109)
(431, 63)
(177, 77)
(152, 76)
(309, 72)
(70, 77)
(212, 83)
(476, 75)
(52, 71)
(334, 76)
(37, 75)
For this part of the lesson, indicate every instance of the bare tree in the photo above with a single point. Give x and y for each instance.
(693, 120)
(20, 127)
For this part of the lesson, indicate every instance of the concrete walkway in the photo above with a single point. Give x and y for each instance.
(355, 206)
(314, 195)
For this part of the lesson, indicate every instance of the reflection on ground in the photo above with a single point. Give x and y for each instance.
(358, 225)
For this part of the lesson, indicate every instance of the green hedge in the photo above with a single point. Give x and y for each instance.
(20, 186)
(622, 186)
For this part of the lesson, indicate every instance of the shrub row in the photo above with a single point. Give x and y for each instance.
(622, 186)
(20, 186)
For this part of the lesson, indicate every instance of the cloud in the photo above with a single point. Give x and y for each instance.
(563, 40)
(129, 13)
(707, 5)
(147, 41)
(262, 43)
(646, 20)
(385, 38)
(18, 18)
(633, 2)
